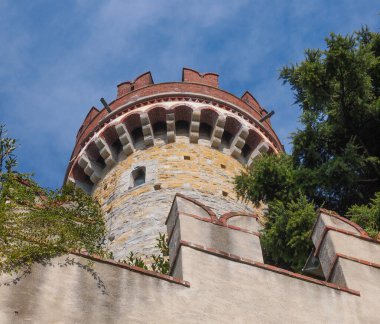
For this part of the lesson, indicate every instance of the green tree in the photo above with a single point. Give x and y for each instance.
(337, 148)
(272, 177)
(7, 157)
(367, 216)
(335, 161)
(286, 238)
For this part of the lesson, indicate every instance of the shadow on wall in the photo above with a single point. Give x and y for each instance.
(69, 261)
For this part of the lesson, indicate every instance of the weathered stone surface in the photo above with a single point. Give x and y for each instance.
(136, 216)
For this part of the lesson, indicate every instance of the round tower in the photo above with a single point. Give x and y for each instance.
(156, 140)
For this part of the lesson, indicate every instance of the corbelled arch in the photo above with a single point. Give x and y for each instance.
(182, 116)
(133, 124)
(137, 130)
(243, 221)
(208, 119)
(157, 119)
(231, 129)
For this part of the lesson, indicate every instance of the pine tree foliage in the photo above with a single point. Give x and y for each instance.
(7, 148)
(335, 162)
(368, 216)
(286, 240)
(337, 148)
(272, 177)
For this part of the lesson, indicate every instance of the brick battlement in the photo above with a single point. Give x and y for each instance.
(194, 89)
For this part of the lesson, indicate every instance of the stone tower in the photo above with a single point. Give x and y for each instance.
(156, 140)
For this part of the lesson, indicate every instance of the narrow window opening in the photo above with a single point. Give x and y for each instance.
(138, 177)
(186, 157)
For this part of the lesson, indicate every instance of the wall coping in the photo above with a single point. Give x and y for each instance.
(268, 267)
(344, 256)
(226, 216)
(219, 223)
(343, 219)
(213, 218)
(142, 271)
(342, 231)
(208, 210)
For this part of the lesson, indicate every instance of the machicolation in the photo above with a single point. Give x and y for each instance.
(156, 140)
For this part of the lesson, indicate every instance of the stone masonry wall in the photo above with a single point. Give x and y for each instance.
(136, 216)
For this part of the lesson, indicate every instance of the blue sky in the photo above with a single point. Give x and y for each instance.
(57, 58)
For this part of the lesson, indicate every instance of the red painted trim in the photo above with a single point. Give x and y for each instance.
(344, 256)
(207, 209)
(213, 218)
(250, 262)
(153, 91)
(225, 217)
(134, 269)
(329, 228)
(343, 219)
(207, 220)
(203, 219)
(218, 223)
(332, 267)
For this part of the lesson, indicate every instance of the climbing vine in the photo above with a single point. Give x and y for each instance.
(37, 224)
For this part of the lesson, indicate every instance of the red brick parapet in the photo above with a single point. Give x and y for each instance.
(192, 76)
(175, 91)
(141, 81)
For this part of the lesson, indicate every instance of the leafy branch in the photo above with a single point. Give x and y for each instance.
(160, 262)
